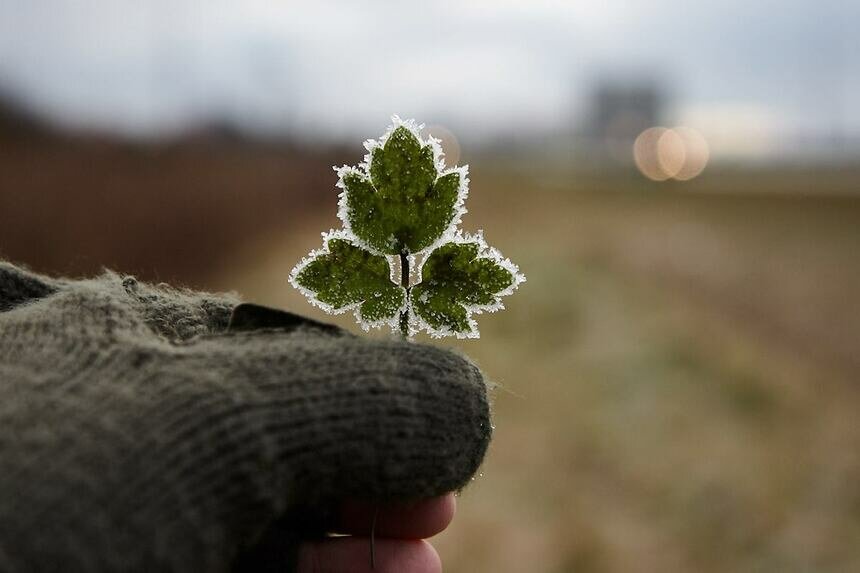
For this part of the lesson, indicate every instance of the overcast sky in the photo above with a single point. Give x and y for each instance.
(483, 67)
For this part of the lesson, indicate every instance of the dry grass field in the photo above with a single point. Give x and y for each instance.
(678, 381)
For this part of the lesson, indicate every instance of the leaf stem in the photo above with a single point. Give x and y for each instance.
(404, 282)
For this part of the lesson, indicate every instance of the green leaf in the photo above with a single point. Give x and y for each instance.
(343, 276)
(460, 278)
(400, 205)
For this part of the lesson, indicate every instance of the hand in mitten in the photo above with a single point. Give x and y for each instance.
(143, 431)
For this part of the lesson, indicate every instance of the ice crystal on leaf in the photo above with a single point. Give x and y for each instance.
(401, 202)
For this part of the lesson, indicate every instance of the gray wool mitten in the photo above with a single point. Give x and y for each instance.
(141, 431)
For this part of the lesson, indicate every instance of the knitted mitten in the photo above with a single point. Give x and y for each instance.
(141, 431)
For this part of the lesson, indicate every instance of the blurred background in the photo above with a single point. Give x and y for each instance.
(679, 378)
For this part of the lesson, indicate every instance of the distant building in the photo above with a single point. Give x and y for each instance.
(621, 110)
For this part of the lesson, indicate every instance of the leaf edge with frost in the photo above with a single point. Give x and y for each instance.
(363, 170)
(312, 295)
(484, 252)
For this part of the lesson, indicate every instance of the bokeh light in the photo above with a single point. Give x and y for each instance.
(679, 153)
(696, 150)
(645, 153)
(671, 153)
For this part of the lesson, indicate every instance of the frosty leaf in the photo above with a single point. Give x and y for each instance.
(401, 204)
(343, 276)
(460, 278)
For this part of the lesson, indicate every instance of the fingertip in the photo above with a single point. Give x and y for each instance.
(447, 511)
(351, 555)
(415, 520)
(432, 560)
